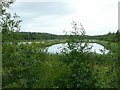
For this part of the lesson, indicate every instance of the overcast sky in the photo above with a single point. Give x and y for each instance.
(53, 16)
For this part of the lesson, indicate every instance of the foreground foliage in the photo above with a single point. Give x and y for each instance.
(27, 66)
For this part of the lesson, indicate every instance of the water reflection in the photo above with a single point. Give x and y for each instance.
(57, 48)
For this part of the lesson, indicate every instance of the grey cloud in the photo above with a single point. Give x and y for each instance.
(29, 11)
(43, 8)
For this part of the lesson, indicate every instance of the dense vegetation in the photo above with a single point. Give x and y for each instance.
(111, 37)
(31, 66)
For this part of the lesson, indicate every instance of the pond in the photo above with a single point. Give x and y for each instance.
(57, 48)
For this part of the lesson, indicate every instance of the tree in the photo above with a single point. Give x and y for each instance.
(9, 23)
(76, 42)
(77, 53)
(118, 36)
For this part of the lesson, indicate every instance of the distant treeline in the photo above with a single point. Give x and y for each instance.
(38, 36)
(113, 37)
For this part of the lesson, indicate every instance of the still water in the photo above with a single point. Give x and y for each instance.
(57, 48)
